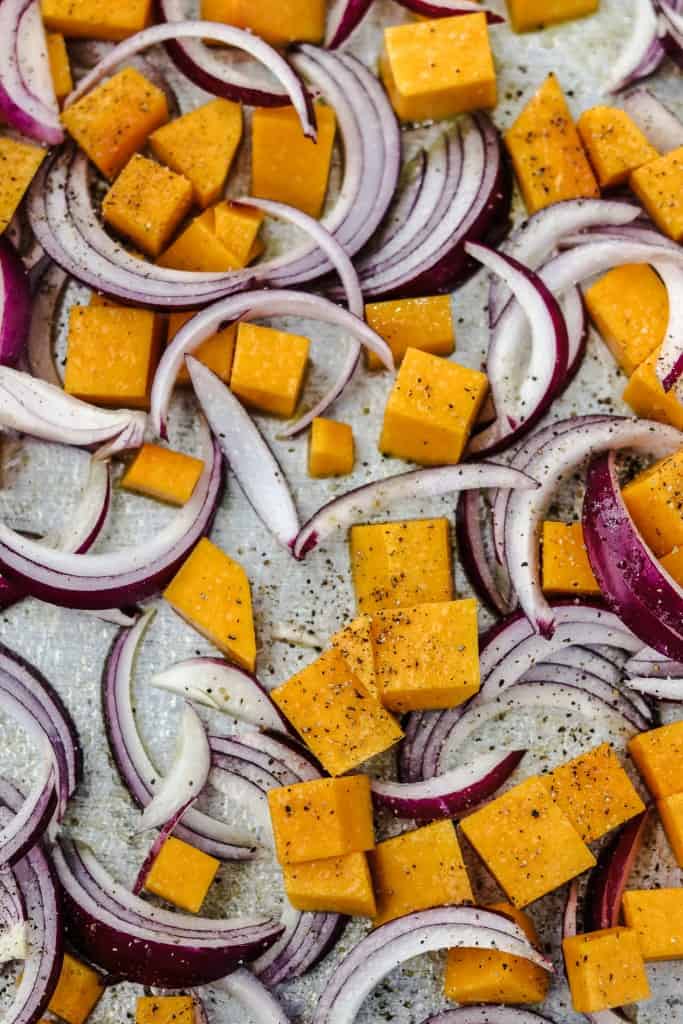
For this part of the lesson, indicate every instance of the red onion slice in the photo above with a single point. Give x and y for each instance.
(661, 127)
(187, 777)
(670, 359)
(343, 18)
(660, 689)
(609, 878)
(671, 31)
(449, 9)
(306, 940)
(642, 52)
(487, 1015)
(46, 299)
(570, 675)
(649, 662)
(15, 301)
(251, 994)
(27, 99)
(473, 557)
(27, 826)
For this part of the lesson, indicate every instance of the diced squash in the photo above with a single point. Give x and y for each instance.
(331, 450)
(97, 19)
(656, 916)
(19, 162)
(528, 844)
(182, 874)
(431, 409)
(336, 885)
(655, 500)
(163, 474)
(165, 1010)
(113, 121)
(237, 226)
(354, 643)
(398, 565)
(322, 818)
(78, 991)
(201, 146)
(211, 592)
(437, 68)
(659, 186)
(673, 564)
(417, 870)
(146, 203)
(646, 396)
(546, 151)
(658, 755)
(216, 352)
(630, 308)
(60, 69)
(670, 810)
(426, 657)
(269, 368)
(426, 324)
(112, 353)
(287, 21)
(335, 715)
(605, 969)
(527, 15)
(197, 248)
(287, 166)
(614, 143)
(566, 569)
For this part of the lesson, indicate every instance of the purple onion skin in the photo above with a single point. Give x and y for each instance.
(351, 19)
(469, 562)
(15, 314)
(427, 10)
(608, 880)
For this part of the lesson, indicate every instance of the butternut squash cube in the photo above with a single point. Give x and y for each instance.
(201, 146)
(237, 226)
(431, 409)
(566, 568)
(426, 324)
(112, 353)
(146, 203)
(605, 969)
(165, 1010)
(630, 308)
(19, 162)
(322, 818)
(658, 755)
(269, 368)
(211, 592)
(418, 870)
(78, 991)
(59, 65)
(336, 885)
(336, 716)
(614, 143)
(113, 121)
(97, 19)
(670, 810)
(527, 15)
(438, 68)
(354, 643)
(549, 161)
(182, 874)
(426, 657)
(487, 976)
(331, 449)
(216, 352)
(648, 399)
(287, 166)
(655, 500)
(197, 248)
(527, 842)
(659, 186)
(288, 21)
(399, 565)
(656, 916)
(163, 474)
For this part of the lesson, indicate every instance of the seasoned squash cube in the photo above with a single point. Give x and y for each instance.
(655, 500)
(113, 121)
(163, 474)
(97, 19)
(354, 643)
(197, 248)
(417, 870)
(527, 15)
(426, 657)
(216, 352)
(322, 818)
(60, 69)
(656, 916)
(670, 810)
(182, 874)
(630, 308)
(659, 186)
(335, 715)
(546, 151)
(528, 844)
(287, 21)
(426, 324)
(566, 569)
(614, 143)
(287, 166)
(268, 369)
(648, 399)
(165, 1010)
(78, 991)
(398, 565)
(331, 449)
(211, 592)
(658, 755)
(19, 162)
(437, 68)
(237, 226)
(336, 885)
(431, 409)
(146, 203)
(605, 969)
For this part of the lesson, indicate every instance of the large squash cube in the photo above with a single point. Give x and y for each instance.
(335, 715)
(336, 885)
(398, 565)
(287, 21)
(417, 870)
(269, 368)
(659, 186)
(655, 500)
(165, 1010)
(216, 352)
(615, 144)
(211, 592)
(670, 810)
(528, 844)
(113, 121)
(648, 399)
(431, 409)
(182, 874)
(354, 643)
(60, 69)
(146, 203)
(78, 991)
(331, 449)
(426, 657)
(163, 474)
(658, 755)
(426, 324)
(656, 916)
(566, 568)
(437, 68)
(97, 19)
(546, 151)
(630, 308)
(19, 162)
(527, 15)
(322, 818)
(605, 969)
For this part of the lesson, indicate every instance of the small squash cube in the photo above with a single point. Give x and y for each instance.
(656, 916)
(659, 186)
(197, 248)
(546, 151)
(60, 69)
(655, 500)
(288, 21)
(658, 755)
(648, 399)
(216, 352)
(163, 474)
(335, 715)
(78, 991)
(426, 324)
(398, 565)
(211, 592)
(670, 809)
(605, 969)
(431, 409)
(336, 885)
(426, 657)
(113, 121)
(630, 308)
(146, 203)
(566, 568)
(287, 166)
(528, 844)
(97, 19)
(418, 870)
(331, 448)
(182, 874)
(322, 818)
(527, 15)
(614, 143)
(19, 162)
(269, 368)
(438, 68)
(165, 1010)
(237, 226)
(354, 643)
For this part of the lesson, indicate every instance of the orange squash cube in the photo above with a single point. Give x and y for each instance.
(59, 65)
(322, 818)
(269, 368)
(288, 21)
(630, 308)
(197, 248)
(97, 19)
(426, 324)
(655, 500)
(605, 969)
(670, 809)
(527, 15)
(237, 226)
(163, 474)
(354, 643)
(331, 448)
(614, 143)
(216, 352)
(656, 916)
(146, 203)
(19, 162)
(182, 875)
(648, 399)
(165, 1010)
(336, 885)
(659, 186)
(78, 991)
(566, 568)
(658, 755)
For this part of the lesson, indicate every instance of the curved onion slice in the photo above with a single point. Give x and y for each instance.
(608, 880)
(487, 1015)
(570, 675)
(251, 994)
(671, 30)
(649, 662)
(660, 689)
(662, 128)
(30, 822)
(670, 359)
(27, 97)
(642, 52)
(472, 554)
(46, 298)
(307, 938)
(15, 301)
(187, 777)
(343, 18)
(448, 9)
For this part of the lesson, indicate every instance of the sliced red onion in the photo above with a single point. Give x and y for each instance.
(306, 940)
(27, 99)
(660, 689)
(568, 675)
(343, 17)
(15, 298)
(649, 662)
(253, 996)
(487, 1015)
(671, 31)
(13, 923)
(670, 359)
(412, 182)
(661, 127)
(282, 749)
(609, 878)
(187, 776)
(39, 350)
(642, 52)
(472, 554)
(448, 9)
(594, 661)
(27, 826)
